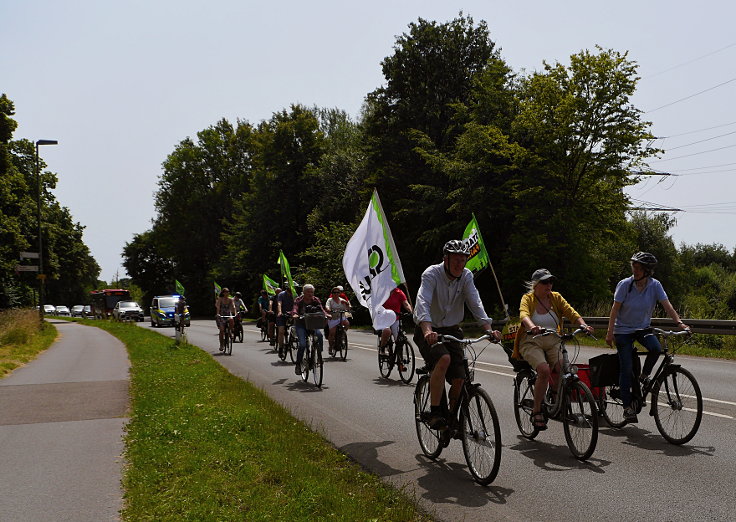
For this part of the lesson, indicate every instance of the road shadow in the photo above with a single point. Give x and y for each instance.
(633, 435)
(390, 383)
(447, 482)
(553, 457)
(304, 387)
(366, 454)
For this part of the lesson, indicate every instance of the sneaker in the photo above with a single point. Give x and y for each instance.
(423, 370)
(298, 369)
(630, 415)
(436, 422)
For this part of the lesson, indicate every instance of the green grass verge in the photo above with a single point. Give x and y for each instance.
(203, 444)
(22, 338)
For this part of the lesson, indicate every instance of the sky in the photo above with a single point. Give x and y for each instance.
(120, 84)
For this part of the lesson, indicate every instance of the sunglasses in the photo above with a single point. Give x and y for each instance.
(546, 282)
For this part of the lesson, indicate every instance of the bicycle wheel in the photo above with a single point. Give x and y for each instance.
(429, 439)
(293, 344)
(678, 405)
(481, 435)
(239, 335)
(264, 333)
(283, 348)
(524, 404)
(405, 359)
(612, 407)
(386, 360)
(580, 419)
(317, 365)
(344, 346)
(228, 342)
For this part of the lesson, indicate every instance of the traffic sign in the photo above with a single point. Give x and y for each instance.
(29, 255)
(26, 268)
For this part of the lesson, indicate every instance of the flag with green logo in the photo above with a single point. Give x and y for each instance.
(179, 287)
(218, 289)
(286, 271)
(478, 259)
(372, 265)
(269, 285)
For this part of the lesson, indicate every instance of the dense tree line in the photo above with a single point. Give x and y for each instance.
(70, 269)
(542, 159)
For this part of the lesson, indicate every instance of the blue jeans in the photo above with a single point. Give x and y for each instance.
(301, 335)
(626, 351)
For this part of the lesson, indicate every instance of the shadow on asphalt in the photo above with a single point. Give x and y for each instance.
(653, 441)
(366, 453)
(380, 381)
(553, 457)
(451, 483)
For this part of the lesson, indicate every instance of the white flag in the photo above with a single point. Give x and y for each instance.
(372, 265)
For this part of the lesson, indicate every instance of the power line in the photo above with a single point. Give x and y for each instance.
(692, 95)
(708, 167)
(694, 154)
(695, 131)
(701, 141)
(689, 61)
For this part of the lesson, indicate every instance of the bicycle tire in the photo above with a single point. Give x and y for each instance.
(406, 359)
(228, 342)
(264, 334)
(386, 361)
(239, 335)
(524, 404)
(317, 365)
(678, 405)
(283, 348)
(612, 407)
(344, 346)
(293, 344)
(429, 439)
(580, 420)
(481, 436)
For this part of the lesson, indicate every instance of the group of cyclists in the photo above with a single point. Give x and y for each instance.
(446, 289)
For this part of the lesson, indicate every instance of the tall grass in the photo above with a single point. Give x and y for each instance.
(22, 338)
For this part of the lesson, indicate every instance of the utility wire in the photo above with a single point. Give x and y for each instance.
(708, 167)
(689, 61)
(694, 154)
(692, 95)
(700, 141)
(695, 131)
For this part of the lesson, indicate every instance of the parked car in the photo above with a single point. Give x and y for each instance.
(78, 311)
(63, 310)
(162, 310)
(49, 310)
(127, 311)
(87, 312)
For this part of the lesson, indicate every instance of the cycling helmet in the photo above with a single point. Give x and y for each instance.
(238, 294)
(456, 246)
(645, 259)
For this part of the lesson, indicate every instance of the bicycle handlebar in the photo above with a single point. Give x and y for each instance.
(667, 333)
(226, 316)
(443, 338)
(547, 331)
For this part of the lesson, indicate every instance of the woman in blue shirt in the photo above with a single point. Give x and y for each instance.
(633, 304)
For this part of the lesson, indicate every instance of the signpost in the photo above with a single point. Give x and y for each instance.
(26, 268)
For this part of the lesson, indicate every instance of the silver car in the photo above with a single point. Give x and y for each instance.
(63, 310)
(78, 311)
(127, 311)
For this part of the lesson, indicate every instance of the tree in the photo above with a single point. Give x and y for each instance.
(149, 268)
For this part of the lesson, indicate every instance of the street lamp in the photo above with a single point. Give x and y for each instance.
(41, 275)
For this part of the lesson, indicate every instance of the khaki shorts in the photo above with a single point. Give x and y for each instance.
(540, 350)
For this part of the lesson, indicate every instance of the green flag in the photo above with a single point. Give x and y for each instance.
(179, 287)
(269, 285)
(478, 259)
(286, 271)
(218, 289)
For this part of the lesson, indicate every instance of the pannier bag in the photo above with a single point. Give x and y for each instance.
(604, 370)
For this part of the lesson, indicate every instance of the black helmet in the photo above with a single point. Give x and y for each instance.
(645, 259)
(456, 246)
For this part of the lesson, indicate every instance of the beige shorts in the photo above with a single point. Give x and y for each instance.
(540, 350)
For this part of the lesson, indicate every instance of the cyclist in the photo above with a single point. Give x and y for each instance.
(444, 291)
(285, 303)
(335, 303)
(542, 308)
(305, 303)
(224, 306)
(272, 311)
(240, 308)
(180, 310)
(263, 304)
(633, 303)
(396, 302)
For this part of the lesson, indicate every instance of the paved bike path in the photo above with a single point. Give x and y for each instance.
(62, 418)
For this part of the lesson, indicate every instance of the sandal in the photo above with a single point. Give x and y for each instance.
(538, 421)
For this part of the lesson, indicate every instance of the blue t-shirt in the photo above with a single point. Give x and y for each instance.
(636, 306)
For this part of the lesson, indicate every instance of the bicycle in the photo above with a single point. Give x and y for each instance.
(179, 324)
(263, 325)
(574, 404)
(238, 327)
(473, 419)
(284, 346)
(401, 355)
(675, 396)
(312, 357)
(340, 343)
(226, 346)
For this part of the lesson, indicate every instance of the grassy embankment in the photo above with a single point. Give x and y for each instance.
(21, 338)
(203, 444)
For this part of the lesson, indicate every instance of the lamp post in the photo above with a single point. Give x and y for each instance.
(41, 275)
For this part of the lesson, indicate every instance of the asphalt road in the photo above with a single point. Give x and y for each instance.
(634, 473)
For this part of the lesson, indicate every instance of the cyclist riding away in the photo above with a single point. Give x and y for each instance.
(305, 304)
(633, 303)
(224, 306)
(445, 290)
(540, 309)
(335, 303)
(263, 304)
(396, 302)
(273, 307)
(284, 303)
